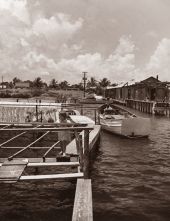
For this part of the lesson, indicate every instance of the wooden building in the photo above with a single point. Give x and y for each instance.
(150, 89)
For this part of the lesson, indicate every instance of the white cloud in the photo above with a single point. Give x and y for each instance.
(17, 8)
(120, 65)
(125, 46)
(160, 60)
(25, 49)
(58, 28)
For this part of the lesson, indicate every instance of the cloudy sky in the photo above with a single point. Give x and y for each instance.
(118, 39)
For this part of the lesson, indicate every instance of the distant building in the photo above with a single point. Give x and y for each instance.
(149, 89)
(22, 84)
(4, 85)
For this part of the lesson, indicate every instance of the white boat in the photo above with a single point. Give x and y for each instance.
(121, 122)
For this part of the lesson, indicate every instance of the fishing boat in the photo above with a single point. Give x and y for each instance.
(121, 122)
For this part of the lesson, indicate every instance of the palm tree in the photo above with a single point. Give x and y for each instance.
(92, 82)
(104, 82)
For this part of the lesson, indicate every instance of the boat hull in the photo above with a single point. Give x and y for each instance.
(129, 127)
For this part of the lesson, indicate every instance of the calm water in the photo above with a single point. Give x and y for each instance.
(131, 181)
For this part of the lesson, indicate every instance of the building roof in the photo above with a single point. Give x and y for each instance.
(151, 80)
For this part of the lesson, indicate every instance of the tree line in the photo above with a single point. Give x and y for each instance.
(92, 83)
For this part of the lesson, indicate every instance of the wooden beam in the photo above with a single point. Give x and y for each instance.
(52, 176)
(49, 129)
(42, 164)
(52, 147)
(31, 160)
(10, 171)
(83, 210)
(8, 125)
(13, 138)
(25, 148)
(30, 124)
(53, 164)
(34, 148)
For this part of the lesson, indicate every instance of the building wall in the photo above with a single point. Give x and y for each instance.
(161, 93)
(155, 91)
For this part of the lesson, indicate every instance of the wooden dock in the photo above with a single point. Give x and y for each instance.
(149, 107)
(78, 151)
(83, 209)
(76, 163)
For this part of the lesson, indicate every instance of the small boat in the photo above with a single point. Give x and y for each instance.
(121, 122)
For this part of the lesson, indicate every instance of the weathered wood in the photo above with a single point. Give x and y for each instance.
(48, 161)
(52, 147)
(95, 115)
(13, 138)
(83, 201)
(25, 148)
(30, 124)
(94, 135)
(31, 160)
(12, 170)
(34, 148)
(79, 146)
(49, 129)
(86, 155)
(5, 126)
(53, 164)
(52, 176)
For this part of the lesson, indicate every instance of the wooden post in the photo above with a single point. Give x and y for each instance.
(98, 117)
(79, 149)
(81, 153)
(41, 116)
(86, 154)
(95, 116)
(81, 111)
(36, 110)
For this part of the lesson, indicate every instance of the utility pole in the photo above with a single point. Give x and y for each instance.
(84, 80)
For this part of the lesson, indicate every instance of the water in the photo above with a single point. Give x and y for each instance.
(131, 178)
(131, 181)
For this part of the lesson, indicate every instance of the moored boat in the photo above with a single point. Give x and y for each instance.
(121, 122)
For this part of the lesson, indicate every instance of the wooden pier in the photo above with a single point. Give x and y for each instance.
(143, 106)
(83, 209)
(149, 107)
(76, 163)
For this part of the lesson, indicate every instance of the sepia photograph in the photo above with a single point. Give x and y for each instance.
(84, 110)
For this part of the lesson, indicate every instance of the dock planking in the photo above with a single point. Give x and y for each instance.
(83, 201)
(11, 171)
(93, 137)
